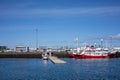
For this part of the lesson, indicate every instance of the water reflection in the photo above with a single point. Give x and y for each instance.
(45, 61)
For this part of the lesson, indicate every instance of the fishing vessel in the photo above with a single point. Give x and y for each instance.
(91, 52)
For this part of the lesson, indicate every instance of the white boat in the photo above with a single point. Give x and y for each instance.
(45, 57)
(44, 54)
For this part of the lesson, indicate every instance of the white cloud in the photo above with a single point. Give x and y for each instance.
(70, 11)
(117, 36)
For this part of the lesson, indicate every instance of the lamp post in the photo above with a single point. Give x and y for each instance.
(36, 39)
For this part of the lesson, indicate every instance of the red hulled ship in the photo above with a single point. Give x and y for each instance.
(90, 52)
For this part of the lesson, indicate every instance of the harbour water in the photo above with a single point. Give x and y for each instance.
(74, 69)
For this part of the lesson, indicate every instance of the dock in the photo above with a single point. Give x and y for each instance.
(56, 60)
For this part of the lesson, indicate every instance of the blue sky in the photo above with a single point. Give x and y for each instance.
(58, 21)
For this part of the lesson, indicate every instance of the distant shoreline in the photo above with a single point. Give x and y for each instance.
(30, 55)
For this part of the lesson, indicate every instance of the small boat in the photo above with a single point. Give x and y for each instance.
(45, 57)
(44, 54)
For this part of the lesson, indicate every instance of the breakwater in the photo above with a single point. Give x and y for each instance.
(34, 55)
(30, 55)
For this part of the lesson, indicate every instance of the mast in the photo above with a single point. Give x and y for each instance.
(101, 43)
(76, 43)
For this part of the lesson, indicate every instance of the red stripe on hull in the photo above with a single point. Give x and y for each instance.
(87, 56)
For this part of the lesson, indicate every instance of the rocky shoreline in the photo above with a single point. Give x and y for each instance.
(30, 55)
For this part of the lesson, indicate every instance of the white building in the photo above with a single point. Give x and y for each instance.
(21, 49)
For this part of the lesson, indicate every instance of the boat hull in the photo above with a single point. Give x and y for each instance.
(114, 55)
(45, 58)
(90, 56)
(71, 55)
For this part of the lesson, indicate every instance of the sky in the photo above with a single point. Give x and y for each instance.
(58, 22)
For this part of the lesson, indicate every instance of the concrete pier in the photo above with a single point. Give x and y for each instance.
(56, 60)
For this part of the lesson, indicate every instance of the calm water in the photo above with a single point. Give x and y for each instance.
(75, 69)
